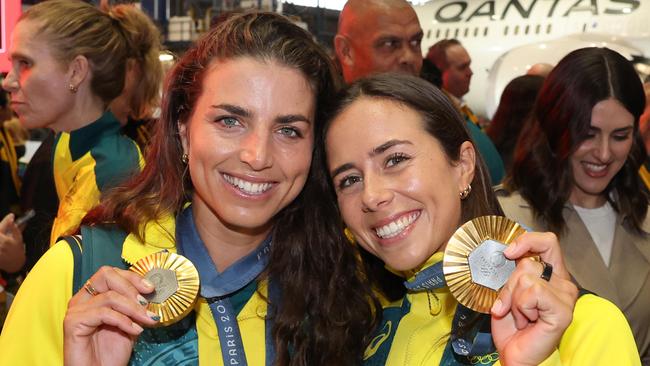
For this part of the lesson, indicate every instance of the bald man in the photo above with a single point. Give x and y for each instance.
(378, 36)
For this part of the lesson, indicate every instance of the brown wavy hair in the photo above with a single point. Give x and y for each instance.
(327, 314)
(444, 123)
(515, 107)
(561, 120)
(143, 38)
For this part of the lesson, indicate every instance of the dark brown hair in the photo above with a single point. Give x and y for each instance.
(515, 106)
(561, 121)
(326, 314)
(443, 122)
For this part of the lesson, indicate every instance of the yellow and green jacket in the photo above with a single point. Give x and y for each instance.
(86, 163)
(416, 330)
(33, 331)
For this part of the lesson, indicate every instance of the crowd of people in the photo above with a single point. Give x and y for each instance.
(315, 196)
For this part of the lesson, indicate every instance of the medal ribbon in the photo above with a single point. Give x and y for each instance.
(432, 278)
(217, 287)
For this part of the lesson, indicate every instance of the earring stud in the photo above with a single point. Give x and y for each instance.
(465, 193)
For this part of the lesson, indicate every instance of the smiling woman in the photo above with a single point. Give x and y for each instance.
(406, 175)
(575, 173)
(229, 185)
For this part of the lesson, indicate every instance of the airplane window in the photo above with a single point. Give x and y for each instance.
(465, 33)
(447, 33)
(438, 33)
(548, 28)
(485, 31)
(516, 30)
(429, 34)
(505, 30)
(584, 27)
(527, 28)
(475, 32)
(537, 28)
(456, 31)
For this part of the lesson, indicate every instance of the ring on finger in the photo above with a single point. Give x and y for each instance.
(547, 271)
(88, 286)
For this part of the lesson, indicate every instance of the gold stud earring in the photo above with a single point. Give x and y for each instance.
(465, 193)
(73, 89)
(185, 158)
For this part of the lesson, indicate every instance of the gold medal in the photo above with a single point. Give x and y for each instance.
(176, 281)
(474, 266)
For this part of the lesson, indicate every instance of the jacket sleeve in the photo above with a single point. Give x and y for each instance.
(598, 335)
(33, 330)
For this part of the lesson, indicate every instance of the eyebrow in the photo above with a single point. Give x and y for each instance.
(231, 108)
(622, 129)
(387, 145)
(20, 55)
(376, 151)
(293, 118)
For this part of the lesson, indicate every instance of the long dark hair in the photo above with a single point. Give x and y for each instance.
(326, 313)
(443, 122)
(561, 121)
(515, 106)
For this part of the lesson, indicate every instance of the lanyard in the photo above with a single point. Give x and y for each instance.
(218, 287)
(477, 341)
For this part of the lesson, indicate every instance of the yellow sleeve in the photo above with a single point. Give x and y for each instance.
(80, 198)
(33, 330)
(598, 335)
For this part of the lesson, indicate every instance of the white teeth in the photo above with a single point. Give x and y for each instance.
(595, 167)
(247, 187)
(396, 227)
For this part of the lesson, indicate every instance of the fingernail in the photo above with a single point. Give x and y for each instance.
(510, 248)
(153, 316)
(496, 307)
(142, 300)
(137, 327)
(147, 283)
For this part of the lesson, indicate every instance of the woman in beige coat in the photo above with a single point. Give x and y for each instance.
(575, 173)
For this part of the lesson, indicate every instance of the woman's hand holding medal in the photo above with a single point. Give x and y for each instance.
(533, 311)
(105, 317)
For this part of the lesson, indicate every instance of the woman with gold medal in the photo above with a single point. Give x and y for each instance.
(228, 185)
(406, 176)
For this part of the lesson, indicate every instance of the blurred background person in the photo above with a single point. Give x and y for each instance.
(514, 108)
(375, 36)
(454, 63)
(68, 64)
(575, 173)
(140, 98)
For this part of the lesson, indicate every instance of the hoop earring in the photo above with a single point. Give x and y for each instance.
(348, 234)
(73, 89)
(185, 158)
(465, 193)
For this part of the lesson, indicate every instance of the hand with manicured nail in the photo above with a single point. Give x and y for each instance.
(105, 317)
(531, 314)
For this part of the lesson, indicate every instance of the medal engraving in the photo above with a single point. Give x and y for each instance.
(474, 265)
(488, 266)
(176, 283)
(164, 280)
